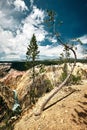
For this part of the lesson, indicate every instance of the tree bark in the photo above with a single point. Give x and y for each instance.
(41, 105)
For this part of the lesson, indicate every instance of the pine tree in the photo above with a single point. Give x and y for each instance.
(32, 54)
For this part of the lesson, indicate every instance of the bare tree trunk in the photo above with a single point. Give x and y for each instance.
(46, 98)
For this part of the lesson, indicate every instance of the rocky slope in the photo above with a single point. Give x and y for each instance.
(8, 82)
(46, 79)
(4, 68)
(11, 78)
(7, 95)
(69, 112)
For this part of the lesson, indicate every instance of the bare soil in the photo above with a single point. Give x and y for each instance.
(68, 112)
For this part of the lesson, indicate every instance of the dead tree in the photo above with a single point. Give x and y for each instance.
(41, 104)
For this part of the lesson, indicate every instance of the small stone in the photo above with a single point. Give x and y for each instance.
(66, 111)
(62, 121)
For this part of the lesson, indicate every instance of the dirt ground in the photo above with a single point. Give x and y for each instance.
(68, 113)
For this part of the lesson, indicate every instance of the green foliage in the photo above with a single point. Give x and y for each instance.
(32, 50)
(64, 73)
(49, 86)
(32, 54)
(6, 127)
(42, 69)
(43, 85)
(32, 96)
(64, 57)
(50, 18)
(75, 79)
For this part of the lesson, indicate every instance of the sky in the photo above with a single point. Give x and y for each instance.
(20, 19)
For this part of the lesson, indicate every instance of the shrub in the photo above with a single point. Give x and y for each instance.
(42, 69)
(64, 73)
(74, 79)
(49, 86)
(42, 86)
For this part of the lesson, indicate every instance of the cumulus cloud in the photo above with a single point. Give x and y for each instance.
(6, 47)
(50, 51)
(55, 51)
(33, 24)
(83, 39)
(8, 15)
(32, 2)
(7, 22)
(14, 47)
(52, 39)
(20, 5)
(81, 52)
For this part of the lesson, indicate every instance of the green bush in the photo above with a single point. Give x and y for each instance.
(64, 73)
(41, 87)
(42, 69)
(49, 86)
(75, 79)
(72, 80)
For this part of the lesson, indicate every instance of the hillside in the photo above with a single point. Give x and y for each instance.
(67, 114)
(66, 111)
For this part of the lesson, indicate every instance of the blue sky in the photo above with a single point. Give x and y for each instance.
(19, 19)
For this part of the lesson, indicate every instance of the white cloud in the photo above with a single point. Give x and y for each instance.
(32, 2)
(11, 47)
(81, 52)
(16, 46)
(6, 47)
(9, 2)
(33, 24)
(52, 39)
(54, 52)
(50, 51)
(37, 15)
(20, 5)
(7, 22)
(8, 15)
(83, 39)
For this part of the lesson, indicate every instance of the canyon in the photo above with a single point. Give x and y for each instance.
(20, 81)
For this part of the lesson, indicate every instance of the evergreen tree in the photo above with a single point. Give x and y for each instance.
(32, 54)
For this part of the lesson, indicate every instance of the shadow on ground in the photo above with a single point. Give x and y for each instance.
(80, 116)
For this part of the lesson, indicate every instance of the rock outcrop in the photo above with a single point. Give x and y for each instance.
(4, 112)
(7, 95)
(42, 85)
(21, 81)
(50, 77)
(4, 68)
(12, 78)
(6, 104)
